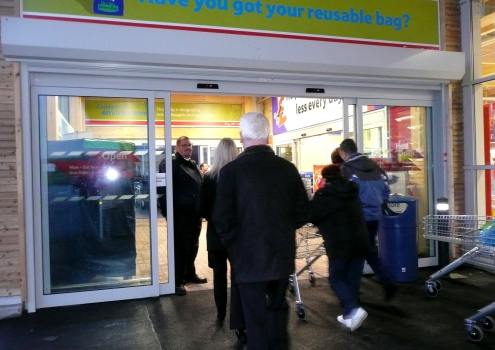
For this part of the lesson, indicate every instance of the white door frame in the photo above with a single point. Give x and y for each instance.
(169, 287)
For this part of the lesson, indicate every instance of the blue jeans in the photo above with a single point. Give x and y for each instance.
(345, 278)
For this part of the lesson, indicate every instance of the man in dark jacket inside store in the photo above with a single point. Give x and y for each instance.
(373, 194)
(260, 203)
(187, 183)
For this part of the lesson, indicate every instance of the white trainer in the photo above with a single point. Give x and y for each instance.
(346, 322)
(357, 319)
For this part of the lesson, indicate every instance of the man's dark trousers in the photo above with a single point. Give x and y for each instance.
(186, 229)
(266, 314)
(193, 247)
(372, 257)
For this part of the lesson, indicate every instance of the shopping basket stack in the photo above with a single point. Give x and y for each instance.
(310, 247)
(475, 237)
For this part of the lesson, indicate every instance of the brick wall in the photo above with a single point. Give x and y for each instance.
(451, 29)
(11, 229)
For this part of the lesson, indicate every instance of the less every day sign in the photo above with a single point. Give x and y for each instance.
(412, 23)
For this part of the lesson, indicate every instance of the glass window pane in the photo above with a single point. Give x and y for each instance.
(285, 151)
(351, 115)
(484, 38)
(486, 178)
(95, 193)
(307, 130)
(395, 137)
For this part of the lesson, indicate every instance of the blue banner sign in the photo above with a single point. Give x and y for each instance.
(109, 7)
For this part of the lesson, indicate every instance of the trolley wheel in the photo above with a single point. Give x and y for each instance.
(301, 314)
(312, 279)
(431, 290)
(474, 334)
(438, 284)
(487, 324)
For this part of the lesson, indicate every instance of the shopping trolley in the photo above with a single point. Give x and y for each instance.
(475, 237)
(309, 246)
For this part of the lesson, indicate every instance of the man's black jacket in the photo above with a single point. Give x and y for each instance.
(260, 203)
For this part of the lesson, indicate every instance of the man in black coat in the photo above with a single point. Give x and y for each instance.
(187, 182)
(260, 203)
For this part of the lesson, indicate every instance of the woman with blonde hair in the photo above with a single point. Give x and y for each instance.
(225, 152)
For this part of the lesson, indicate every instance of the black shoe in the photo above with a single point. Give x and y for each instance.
(241, 335)
(390, 291)
(196, 279)
(180, 290)
(220, 318)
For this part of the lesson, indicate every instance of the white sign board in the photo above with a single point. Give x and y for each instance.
(290, 113)
(161, 180)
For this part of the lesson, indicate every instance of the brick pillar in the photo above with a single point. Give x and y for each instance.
(12, 275)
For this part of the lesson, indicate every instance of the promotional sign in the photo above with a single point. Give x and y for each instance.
(133, 111)
(291, 113)
(412, 23)
(317, 184)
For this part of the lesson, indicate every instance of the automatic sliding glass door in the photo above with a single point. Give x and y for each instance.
(94, 204)
(395, 135)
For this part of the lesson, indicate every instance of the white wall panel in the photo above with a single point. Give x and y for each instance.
(57, 40)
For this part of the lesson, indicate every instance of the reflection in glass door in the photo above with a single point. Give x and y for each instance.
(95, 202)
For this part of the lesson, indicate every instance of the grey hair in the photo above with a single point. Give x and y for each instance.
(254, 126)
(225, 152)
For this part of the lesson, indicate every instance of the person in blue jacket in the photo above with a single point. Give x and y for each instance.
(373, 194)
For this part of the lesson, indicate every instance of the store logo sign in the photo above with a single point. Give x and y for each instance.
(397, 208)
(109, 7)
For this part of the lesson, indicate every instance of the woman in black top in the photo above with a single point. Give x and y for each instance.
(225, 152)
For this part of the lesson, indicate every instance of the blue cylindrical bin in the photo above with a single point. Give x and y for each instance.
(397, 244)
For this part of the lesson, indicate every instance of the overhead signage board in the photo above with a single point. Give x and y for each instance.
(133, 111)
(411, 23)
(291, 113)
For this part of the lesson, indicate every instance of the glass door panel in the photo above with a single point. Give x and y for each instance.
(95, 196)
(307, 130)
(350, 120)
(487, 154)
(395, 137)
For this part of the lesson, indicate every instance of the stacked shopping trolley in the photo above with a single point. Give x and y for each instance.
(475, 237)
